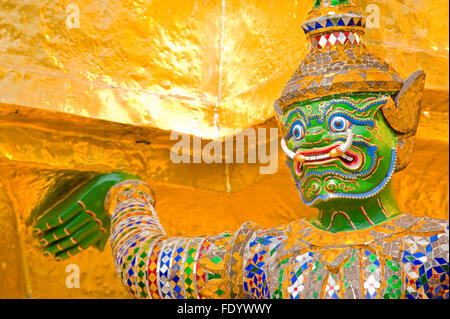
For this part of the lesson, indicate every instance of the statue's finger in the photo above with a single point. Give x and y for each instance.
(51, 250)
(57, 216)
(63, 255)
(68, 242)
(76, 249)
(90, 228)
(65, 230)
(69, 213)
(64, 244)
(41, 226)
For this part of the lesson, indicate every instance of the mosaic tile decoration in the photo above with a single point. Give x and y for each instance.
(152, 265)
(406, 257)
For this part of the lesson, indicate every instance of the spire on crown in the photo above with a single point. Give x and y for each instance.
(338, 62)
(332, 23)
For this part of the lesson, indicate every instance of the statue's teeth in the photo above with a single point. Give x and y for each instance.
(347, 157)
(317, 157)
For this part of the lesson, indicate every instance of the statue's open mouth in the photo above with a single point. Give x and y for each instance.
(320, 156)
(350, 158)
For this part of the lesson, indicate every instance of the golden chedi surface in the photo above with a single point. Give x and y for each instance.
(94, 86)
(200, 68)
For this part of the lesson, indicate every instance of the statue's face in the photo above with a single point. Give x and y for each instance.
(314, 128)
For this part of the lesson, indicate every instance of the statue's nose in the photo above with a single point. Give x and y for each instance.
(316, 137)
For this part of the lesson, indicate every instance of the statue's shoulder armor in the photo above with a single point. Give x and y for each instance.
(428, 237)
(280, 240)
(267, 253)
(425, 258)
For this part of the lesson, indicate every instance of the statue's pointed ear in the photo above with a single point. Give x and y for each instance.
(403, 115)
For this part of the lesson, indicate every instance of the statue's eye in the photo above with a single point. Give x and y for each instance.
(298, 132)
(339, 124)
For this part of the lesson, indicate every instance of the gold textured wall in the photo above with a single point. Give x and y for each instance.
(94, 86)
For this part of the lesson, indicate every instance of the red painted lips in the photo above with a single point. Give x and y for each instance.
(350, 159)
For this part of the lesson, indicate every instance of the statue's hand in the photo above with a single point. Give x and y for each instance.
(80, 220)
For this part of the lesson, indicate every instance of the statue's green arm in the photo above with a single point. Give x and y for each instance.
(80, 220)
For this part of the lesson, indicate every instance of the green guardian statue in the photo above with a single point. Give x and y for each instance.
(349, 122)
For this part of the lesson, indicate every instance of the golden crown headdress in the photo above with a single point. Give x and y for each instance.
(339, 63)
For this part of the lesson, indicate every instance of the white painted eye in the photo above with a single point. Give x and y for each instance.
(339, 124)
(298, 132)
